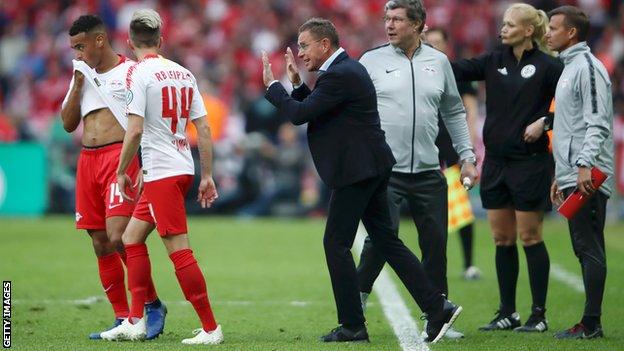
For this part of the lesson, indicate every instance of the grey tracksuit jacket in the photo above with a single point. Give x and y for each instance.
(583, 125)
(410, 93)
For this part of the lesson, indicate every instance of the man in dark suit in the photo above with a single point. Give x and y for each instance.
(351, 155)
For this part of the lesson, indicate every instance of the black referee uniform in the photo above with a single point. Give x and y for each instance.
(516, 174)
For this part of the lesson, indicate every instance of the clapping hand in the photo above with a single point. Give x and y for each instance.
(291, 68)
(267, 73)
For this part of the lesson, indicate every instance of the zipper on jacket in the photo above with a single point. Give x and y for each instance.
(413, 114)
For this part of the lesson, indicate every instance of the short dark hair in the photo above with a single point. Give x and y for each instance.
(415, 10)
(321, 28)
(573, 17)
(86, 24)
(145, 28)
(440, 30)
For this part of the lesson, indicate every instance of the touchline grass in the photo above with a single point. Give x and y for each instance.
(270, 290)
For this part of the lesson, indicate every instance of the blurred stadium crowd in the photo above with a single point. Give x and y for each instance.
(261, 163)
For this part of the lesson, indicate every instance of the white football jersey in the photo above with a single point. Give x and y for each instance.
(167, 96)
(112, 83)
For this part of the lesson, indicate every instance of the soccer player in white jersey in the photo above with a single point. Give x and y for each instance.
(100, 208)
(162, 97)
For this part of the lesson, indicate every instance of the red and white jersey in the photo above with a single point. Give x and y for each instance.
(112, 83)
(166, 95)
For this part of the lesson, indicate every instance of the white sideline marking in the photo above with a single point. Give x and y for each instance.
(393, 306)
(568, 278)
(92, 300)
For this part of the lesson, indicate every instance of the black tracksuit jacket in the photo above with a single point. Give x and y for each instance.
(517, 94)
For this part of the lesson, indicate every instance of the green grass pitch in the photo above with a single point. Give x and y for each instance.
(270, 290)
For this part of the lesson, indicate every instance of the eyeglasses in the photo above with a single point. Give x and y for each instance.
(387, 19)
(304, 46)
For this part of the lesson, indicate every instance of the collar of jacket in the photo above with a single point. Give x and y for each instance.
(525, 53)
(335, 57)
(400, 51)
(570, 53)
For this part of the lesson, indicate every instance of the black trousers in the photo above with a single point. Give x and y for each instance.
(367, 200)
(587, 234)
(427, 198)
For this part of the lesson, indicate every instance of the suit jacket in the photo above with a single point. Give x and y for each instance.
(344, 132)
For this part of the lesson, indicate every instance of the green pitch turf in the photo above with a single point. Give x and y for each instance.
(270, 290)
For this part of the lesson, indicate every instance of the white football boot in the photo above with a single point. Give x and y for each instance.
(126, 331)
(206, 338)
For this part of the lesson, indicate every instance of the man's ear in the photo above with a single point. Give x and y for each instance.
(417, 25)
(130, 44)
(160, 41)
(99, 40)
(572, 33)
(325, 41)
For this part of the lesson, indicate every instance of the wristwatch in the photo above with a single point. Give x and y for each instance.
(547, 123)
(470, 159)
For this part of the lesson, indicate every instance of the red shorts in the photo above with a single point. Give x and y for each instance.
(97, 194)
(162, 204)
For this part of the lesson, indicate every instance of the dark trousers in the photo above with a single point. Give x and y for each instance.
(587, 234)
(367, 200)
(426, 196)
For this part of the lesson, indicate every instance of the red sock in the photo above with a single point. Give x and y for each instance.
(139, 272)
(112, 278)
(150, 295)
(193, 286)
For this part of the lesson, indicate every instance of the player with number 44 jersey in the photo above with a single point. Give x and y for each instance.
(162, 98)
(167, 96)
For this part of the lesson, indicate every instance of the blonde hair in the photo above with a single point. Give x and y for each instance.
(148, 17)
(529, 15)
(145, 28)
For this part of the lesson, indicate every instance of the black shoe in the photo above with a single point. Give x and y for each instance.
(342, 334)
(537, 323)
(438, 324)
(503, 322)
(579, 331)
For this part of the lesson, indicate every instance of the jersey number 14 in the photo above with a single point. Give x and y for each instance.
(170, 104)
